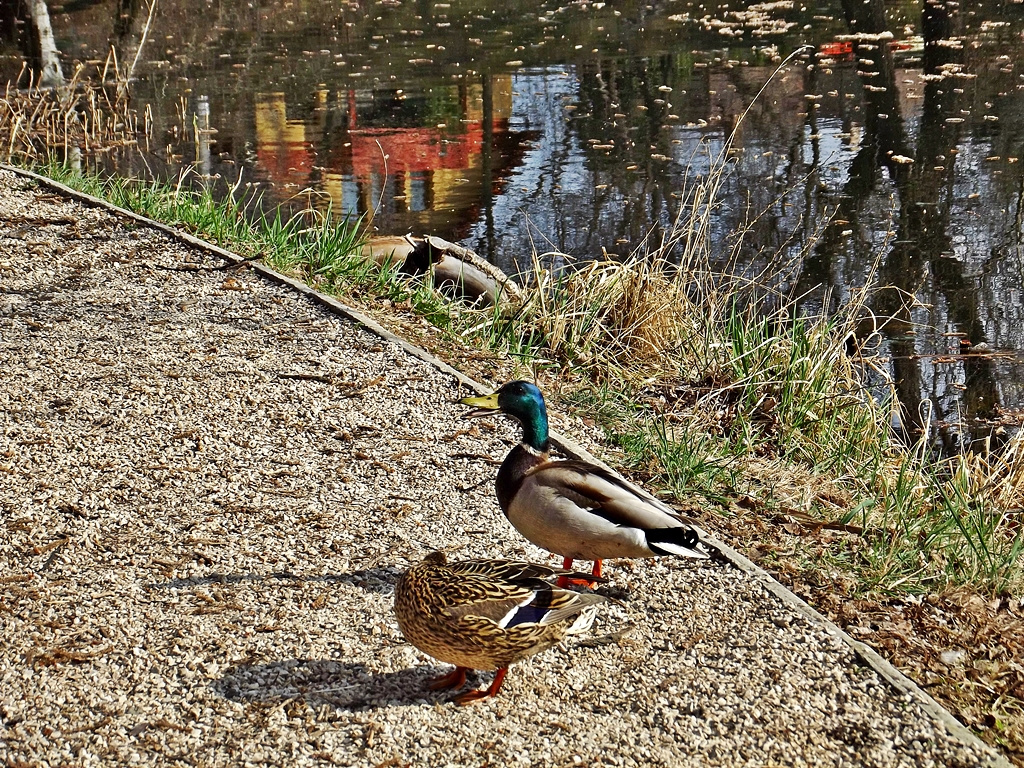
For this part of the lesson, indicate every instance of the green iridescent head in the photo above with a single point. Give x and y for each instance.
(522, 401)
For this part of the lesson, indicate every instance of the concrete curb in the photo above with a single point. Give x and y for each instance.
(867, 655)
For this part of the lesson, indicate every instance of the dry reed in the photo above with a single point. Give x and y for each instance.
(88, 115)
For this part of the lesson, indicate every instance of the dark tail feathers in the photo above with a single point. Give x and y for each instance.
(676, 541)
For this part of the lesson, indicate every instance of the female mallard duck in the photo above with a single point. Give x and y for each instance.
(486, 614)
(574, 508)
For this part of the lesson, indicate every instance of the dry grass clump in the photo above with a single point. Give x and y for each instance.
(87, 115)
(997, 476)
(614, 316)
(642, 316)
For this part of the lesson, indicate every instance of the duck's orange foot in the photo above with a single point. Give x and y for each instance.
(454, 679)
(470, 696)
(565, 581)
(578, 579)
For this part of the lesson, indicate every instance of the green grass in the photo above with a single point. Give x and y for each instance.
(310, 244)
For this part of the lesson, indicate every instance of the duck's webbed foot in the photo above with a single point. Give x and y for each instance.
(454, 679)
(470, 696)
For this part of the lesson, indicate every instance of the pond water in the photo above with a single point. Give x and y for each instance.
(573, 127)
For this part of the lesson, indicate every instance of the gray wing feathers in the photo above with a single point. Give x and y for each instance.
(609, 497)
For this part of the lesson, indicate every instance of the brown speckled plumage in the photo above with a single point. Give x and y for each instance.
(487, 614)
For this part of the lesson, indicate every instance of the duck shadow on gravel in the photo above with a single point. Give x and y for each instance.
(318, 681)
(381, 580)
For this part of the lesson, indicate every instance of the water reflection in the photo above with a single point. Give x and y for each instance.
(573, 127)
(428, 163)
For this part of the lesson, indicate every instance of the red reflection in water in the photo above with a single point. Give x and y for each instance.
(416, 149)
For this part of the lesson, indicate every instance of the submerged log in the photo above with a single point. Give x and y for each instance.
(456, 270)
(507, 286)
(452, 274)
(388, 249)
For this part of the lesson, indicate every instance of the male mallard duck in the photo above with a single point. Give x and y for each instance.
(486, 614)
(574, 508)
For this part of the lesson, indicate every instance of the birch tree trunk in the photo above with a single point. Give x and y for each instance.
(50, 74)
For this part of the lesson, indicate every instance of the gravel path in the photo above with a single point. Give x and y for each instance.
(208, 486)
